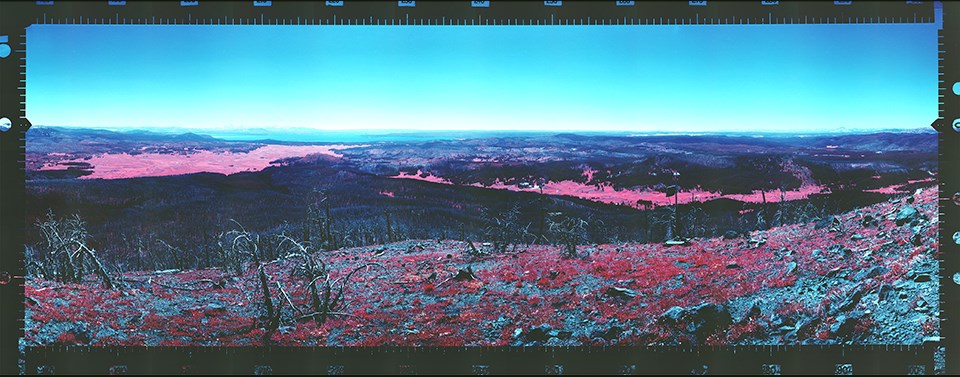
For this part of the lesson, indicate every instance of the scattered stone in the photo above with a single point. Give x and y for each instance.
(672, 315)
(620, 292)
(791, 267)
(851, 301)
(81, 334)
(609, 334)
(885, 292)
(916, 239)
(753, 311)
(776, 320)
(845, 325)
(907, 214)
(213, 308)
(465, 274)
(800, 328)
(870, 273)
(538, 334)
(836, 272)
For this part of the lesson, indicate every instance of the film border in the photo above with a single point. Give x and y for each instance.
(15, 17)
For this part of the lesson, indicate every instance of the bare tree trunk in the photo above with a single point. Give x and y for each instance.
(267, 301)
(389, 228)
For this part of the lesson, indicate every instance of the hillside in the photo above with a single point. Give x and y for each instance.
(869, 276)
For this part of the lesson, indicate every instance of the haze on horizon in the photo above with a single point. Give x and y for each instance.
(693, 78)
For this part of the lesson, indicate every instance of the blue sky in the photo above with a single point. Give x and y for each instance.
(597, 78)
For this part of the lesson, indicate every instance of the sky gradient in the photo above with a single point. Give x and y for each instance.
(694, 78)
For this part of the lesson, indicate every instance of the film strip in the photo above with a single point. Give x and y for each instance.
(919, 359)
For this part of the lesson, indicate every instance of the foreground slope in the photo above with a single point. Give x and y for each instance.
(869, 276)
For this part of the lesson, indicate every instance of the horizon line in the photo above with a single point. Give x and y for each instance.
(389, 131)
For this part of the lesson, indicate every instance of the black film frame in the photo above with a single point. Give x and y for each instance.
(15, 17)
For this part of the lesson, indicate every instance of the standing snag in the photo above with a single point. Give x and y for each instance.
(65, 255)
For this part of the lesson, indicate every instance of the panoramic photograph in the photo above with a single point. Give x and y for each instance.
(481, 186)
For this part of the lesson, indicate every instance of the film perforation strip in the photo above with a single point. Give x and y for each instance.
(770, 360)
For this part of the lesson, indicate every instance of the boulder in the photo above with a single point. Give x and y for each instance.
(609, 334)
(705, 319)
(753, 311)
(620, 292)
(916, 239)
(539, 333)
(870, 273)
(845, 325)
(886, 292)
(852, 300)
(906, 215)
(672, 315)
(791, 268)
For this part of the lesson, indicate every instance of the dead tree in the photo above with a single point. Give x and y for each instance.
(568, 232)
(67, 258)
(175, 253)
(311, 268)
(390, 236)
(244, 245)
(505, 229)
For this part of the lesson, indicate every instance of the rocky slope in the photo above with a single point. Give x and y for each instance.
(866, 277)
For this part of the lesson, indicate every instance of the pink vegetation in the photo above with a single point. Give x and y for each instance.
(606, 194)
(898, 188)
(413, 300)
(123, 165)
